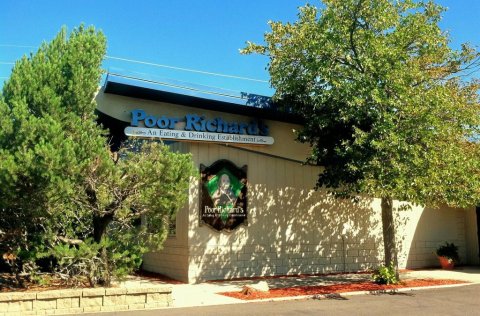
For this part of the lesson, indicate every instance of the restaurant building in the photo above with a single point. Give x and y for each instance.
(253, 210)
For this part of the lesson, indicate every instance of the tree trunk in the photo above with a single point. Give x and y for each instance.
(388, 225)
(100, 224)
(106, 273)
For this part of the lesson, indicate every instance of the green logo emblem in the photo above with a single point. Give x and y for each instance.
(224, 189)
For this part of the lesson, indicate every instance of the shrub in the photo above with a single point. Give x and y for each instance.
(385, 275)
(449, 250)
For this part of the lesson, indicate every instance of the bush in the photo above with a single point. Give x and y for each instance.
(385, 275)
(449, 250)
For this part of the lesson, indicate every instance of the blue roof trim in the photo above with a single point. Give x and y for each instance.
(196, 96)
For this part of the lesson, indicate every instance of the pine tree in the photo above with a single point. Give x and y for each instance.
(62, 192)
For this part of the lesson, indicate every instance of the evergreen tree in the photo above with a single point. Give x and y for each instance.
(63, 194)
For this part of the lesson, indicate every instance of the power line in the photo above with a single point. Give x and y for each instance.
(173, 85)
(152, 64)
(185, 69)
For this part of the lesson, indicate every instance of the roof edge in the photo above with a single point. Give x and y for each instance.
(244, 104)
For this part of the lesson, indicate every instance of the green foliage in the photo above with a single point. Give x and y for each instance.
(63, 195)
(48, 136)
(385, 110)
(385, 275)
(450, 251)
(388, 108)
(77, 262)
(97, 262)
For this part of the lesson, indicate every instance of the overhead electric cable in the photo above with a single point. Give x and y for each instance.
(173, 85)
(155, 65)
(185, 69)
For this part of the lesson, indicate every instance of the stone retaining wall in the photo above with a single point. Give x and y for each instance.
(72, 301)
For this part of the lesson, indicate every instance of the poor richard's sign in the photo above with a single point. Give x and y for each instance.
(193, 127)
(223, 204)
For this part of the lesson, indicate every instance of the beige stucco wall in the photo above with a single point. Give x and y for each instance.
(291, 227)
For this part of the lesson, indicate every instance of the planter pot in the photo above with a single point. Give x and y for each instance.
(446, 263)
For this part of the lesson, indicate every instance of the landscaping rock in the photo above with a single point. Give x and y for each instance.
(261, 286)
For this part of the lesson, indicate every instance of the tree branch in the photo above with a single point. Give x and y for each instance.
(352, 31)
(69, 240)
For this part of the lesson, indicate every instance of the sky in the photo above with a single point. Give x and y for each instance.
(200, 35)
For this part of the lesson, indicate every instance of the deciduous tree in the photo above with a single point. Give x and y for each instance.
(390, 109)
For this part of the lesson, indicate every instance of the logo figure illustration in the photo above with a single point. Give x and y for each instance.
(224, 197)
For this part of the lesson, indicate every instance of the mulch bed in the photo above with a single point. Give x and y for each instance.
(338, 288)
(157, 277)
(8, 284)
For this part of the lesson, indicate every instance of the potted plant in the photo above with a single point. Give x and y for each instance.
(448, 255)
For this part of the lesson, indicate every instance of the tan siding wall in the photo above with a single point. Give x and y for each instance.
(293, 229)
(421, 231)
(172, 260)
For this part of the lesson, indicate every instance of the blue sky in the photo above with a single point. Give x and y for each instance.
(203, 35)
